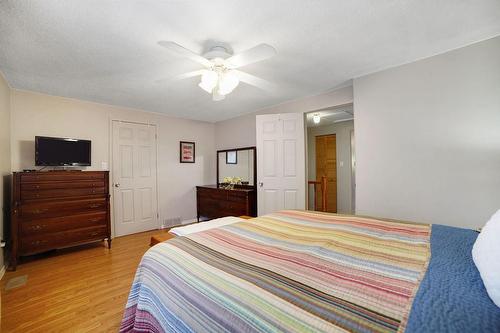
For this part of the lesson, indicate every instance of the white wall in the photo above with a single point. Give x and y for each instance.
(39, 114)
(4, 157)
(342, 132)
(428, 138)
(240, 131)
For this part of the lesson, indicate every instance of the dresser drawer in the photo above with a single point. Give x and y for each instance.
(62, 185)
(236, 209)
(237, 196)
(210, 208)
(40, 243)
(57, 224)
(61, 176)
(211, 203)
(216, 194)
(58, 193)
(39, 210)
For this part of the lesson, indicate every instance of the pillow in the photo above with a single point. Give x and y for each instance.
(486, 252)
(202, 226)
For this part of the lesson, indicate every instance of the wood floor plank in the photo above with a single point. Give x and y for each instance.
(74, 290)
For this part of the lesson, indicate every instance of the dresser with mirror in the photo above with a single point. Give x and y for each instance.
(235, 190)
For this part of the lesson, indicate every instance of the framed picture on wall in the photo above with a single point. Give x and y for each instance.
(187, 152)
(232, 157)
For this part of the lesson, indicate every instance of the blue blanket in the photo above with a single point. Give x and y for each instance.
(452, 297)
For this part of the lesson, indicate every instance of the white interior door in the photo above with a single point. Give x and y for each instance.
(280, 162)
(134, 178)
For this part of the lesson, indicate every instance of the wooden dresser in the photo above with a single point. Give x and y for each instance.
(213, 202)
(57, 209)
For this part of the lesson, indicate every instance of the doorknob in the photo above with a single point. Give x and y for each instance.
(261, 184)
(117, 185)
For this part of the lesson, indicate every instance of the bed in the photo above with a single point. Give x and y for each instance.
(300, 271)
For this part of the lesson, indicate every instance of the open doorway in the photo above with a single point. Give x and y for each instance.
(330, 160)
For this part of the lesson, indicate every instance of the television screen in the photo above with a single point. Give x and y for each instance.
(61, 152)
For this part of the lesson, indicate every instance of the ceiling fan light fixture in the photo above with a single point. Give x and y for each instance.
(217, 97)
(228, 82)
(316, 118)
(205, 87)
(209, 81)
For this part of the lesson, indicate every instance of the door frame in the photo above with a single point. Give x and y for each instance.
(353, 171)
(110, 168)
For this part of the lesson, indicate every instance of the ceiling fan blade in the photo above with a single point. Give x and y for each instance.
(189, 74)
(255, 54)
(182, 76)
(255, 81)
(182, 51)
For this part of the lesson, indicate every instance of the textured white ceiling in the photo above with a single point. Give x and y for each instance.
(106, 51)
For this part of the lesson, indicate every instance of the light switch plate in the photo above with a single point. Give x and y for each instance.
(104, 166)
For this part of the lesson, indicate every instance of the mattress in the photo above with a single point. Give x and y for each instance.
(310, 272)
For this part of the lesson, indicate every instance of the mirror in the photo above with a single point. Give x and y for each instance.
(238, 162)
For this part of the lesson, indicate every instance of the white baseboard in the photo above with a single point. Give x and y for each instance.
(184, 222)
(189, 221)
(2, 272)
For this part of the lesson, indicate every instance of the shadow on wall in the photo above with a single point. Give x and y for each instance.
(26, 154)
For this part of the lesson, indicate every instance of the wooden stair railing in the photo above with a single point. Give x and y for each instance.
(322, 183)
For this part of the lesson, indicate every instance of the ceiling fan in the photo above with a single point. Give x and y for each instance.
(220, 75)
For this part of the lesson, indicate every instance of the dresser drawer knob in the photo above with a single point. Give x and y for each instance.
(36, 227)
(94, 206)
(95, 233)
(39, 211)
(38, 242)
(94, 220)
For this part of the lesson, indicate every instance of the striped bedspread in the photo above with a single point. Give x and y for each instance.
(292, 271)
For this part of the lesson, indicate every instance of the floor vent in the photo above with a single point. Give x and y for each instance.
(16, 282)
(171, 221)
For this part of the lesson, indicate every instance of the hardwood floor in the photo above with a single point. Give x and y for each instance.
(74, 290)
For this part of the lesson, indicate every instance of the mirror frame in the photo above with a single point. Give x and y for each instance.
(254, 149)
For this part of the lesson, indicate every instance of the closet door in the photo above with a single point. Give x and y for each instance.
(134, 178)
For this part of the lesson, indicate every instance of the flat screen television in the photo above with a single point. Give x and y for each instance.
(61, 151)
